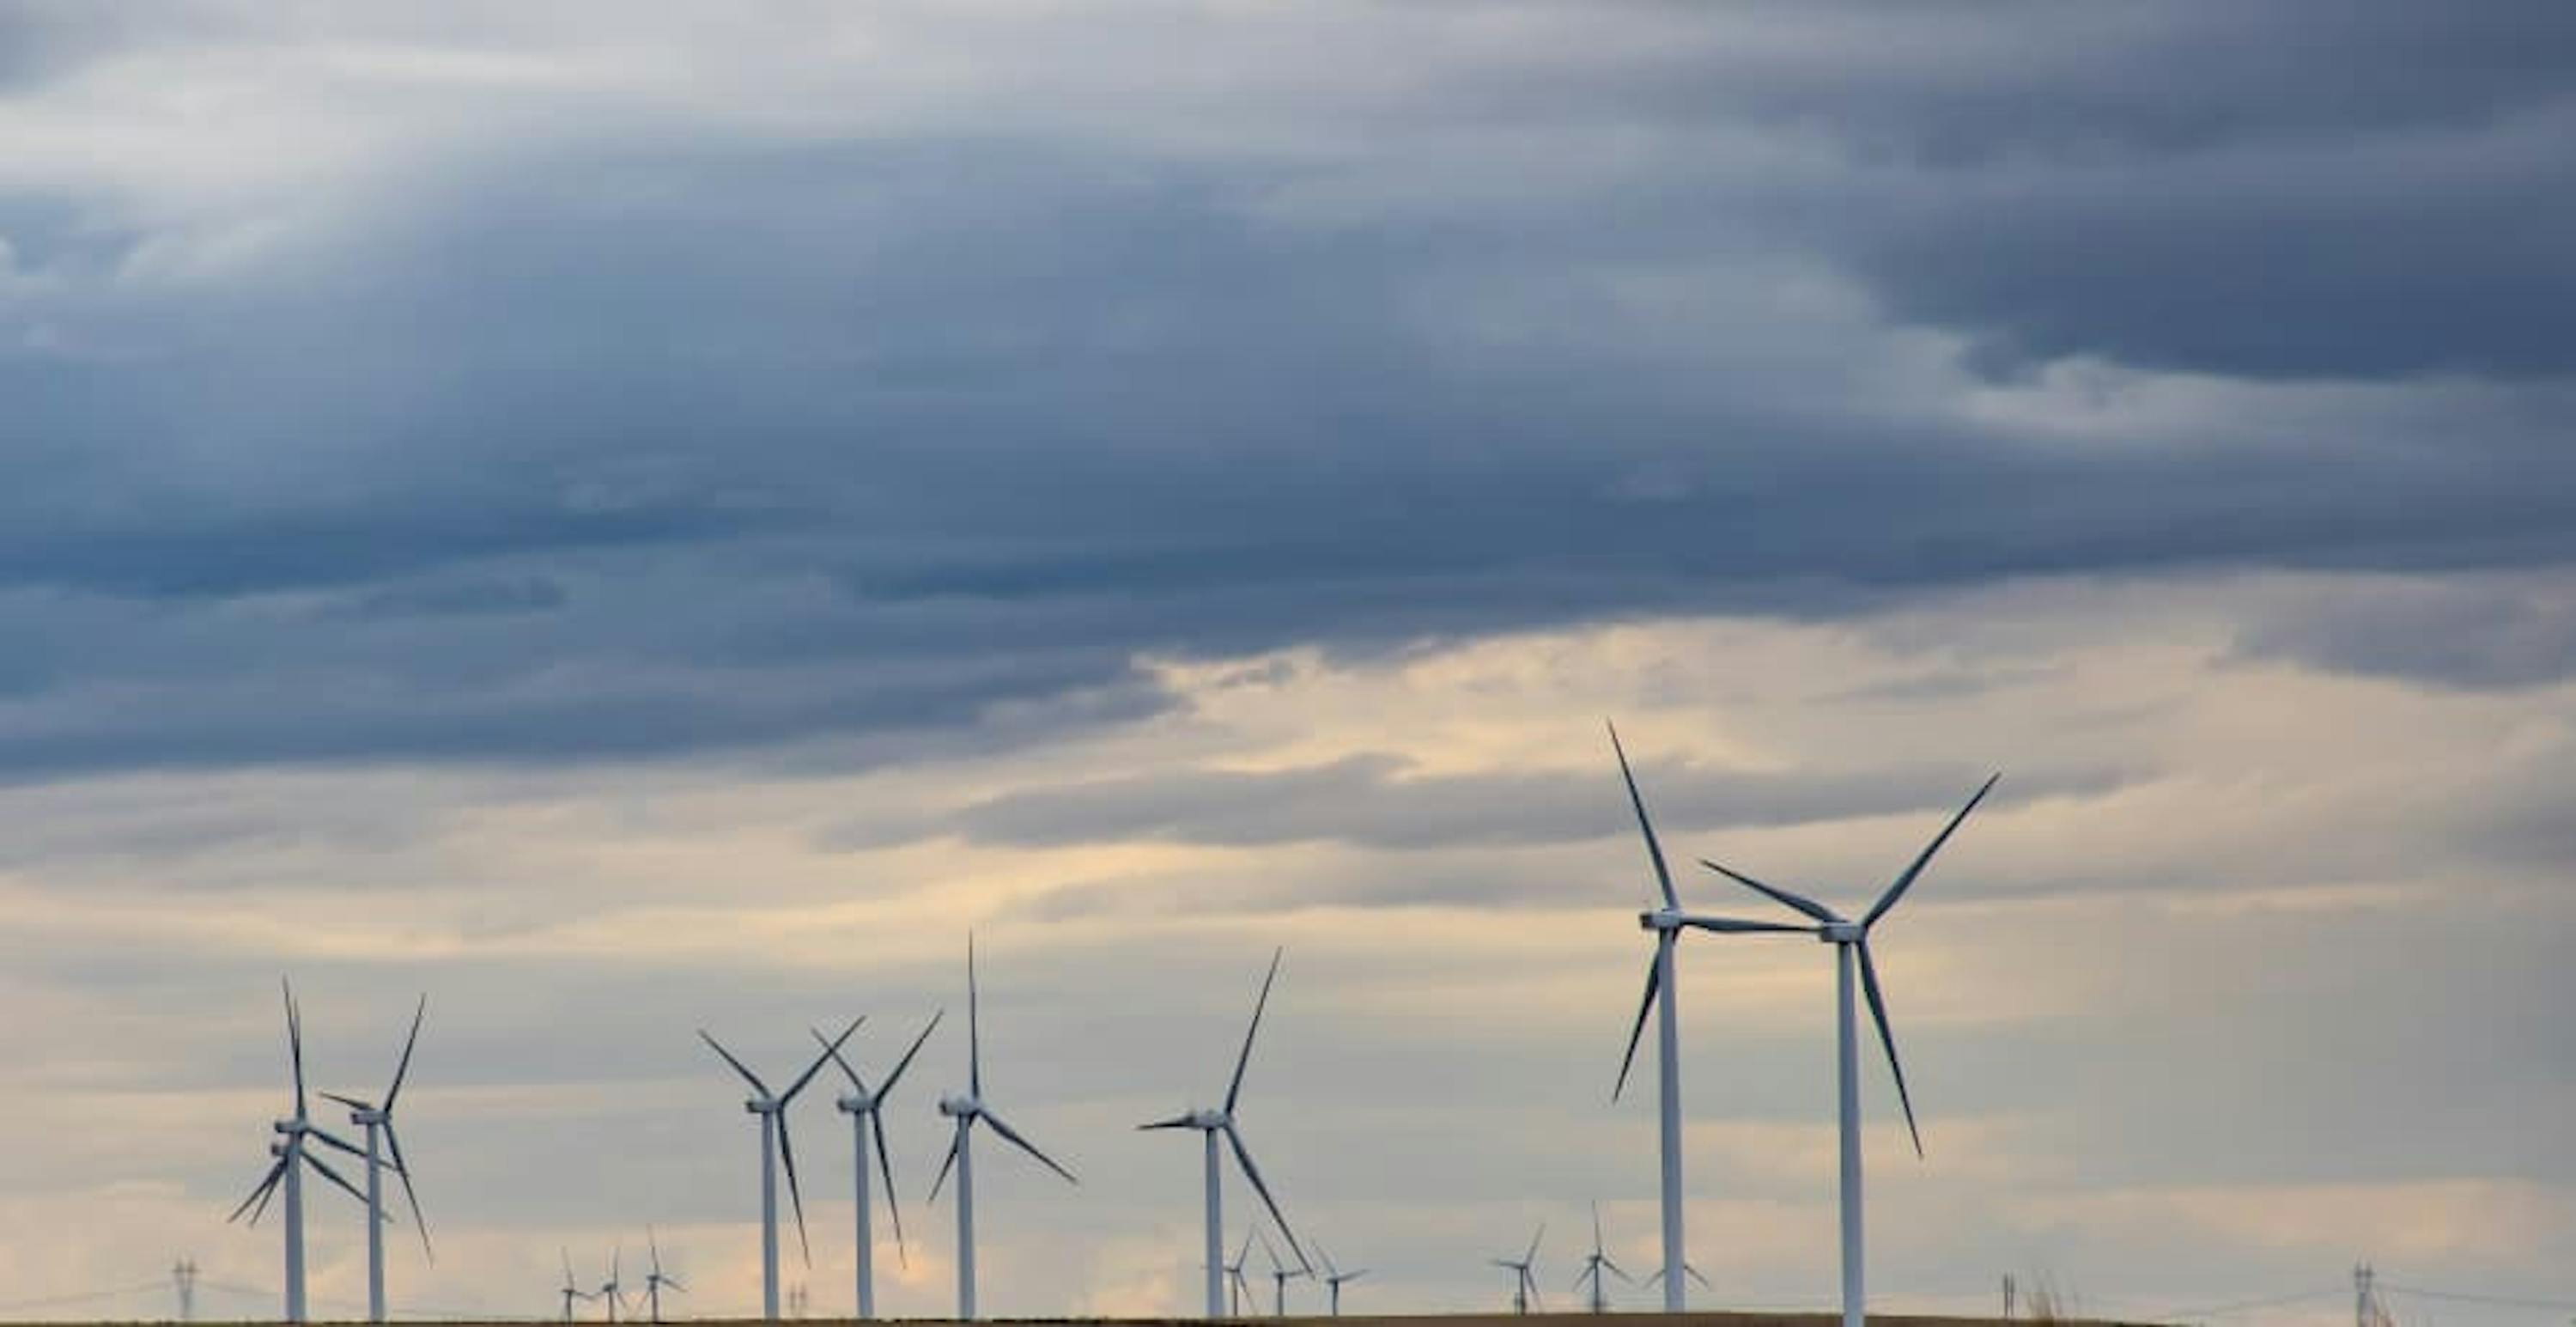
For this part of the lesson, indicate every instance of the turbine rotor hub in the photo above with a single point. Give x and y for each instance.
(1842, 933)
(958, 1105)
(856, 1103)
(1660, 919)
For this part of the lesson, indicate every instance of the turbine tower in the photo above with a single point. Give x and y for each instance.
(775, 1148)
(1850, 940)
(655, 1279)
(1211, 1123)
(292, 1155)
(966, 1109)
(1280, 1275)
(1524, 1285)
(861, 1105)
(1665, 922)
(1335, 1276)
(378, 1121)
(612, 1290)
(1238, 1287)
(570, 1291)
(1594, 1264)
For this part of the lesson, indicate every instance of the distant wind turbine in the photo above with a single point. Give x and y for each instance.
(655, 1279)
(862, 1106)
(1335, 1276)
(775, 1148)
(614, 1290)
(1524, 1284)
(966, 1109)
(1237, 1286)
(1211, 1123)
(379, 1120)
(1594, 1264)
(1666, 922)
(1280, 1275)
(286, 1172)
(571, 1291)
(1850, 940)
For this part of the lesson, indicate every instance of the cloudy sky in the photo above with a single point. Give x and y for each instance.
(627, 517)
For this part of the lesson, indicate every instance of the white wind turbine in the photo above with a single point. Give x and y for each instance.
(862, 1106)
(966, 1109)
(613, 1289)
(1524, 1284)
(655, 1279)
(286, 1173)
(378, 1121)
(1211, 1123)
(775, 1148)
(571, 1291)
(1594, 1264)
(1240, 1288)
(1280, 1275)
(1666, 922)
(1334, 1276)
(1850, 940)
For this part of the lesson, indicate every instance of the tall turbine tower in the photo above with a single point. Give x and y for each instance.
(1850, 940)
(1211, 1123)
(1524, 1284)
(287, 1171)
(966, 1109)
(1280, 1275)
(1594, 1264)
(378, 1121)
(775, 1148)
(861, 1106)
(1665, 922)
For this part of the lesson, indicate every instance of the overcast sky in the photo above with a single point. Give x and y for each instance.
(626, 517)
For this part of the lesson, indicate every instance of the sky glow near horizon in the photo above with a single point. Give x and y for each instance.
(629, 519)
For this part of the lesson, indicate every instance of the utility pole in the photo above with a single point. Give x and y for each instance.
(2009, 1288)
(183, 1274)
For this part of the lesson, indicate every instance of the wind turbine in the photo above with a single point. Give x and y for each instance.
(1666, 922)
(287, 1171)
(966, 1109)
(379, 1120)
(1687, 1269)
(612, 1290)
(1240, 1288)
(1850, 940)
(1335, 1276)
(571, 1292)
(1524, 1285)
(1280, 1275)
(1593, 1265)
(862, 1108)
(655, 1279)
(1211, 1123)
(771, 1107)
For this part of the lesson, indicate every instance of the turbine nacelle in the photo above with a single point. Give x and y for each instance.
(960, 1105)
(855, 1103)
(1207, 1120)
(763, 1106)
(1842, 933)
(289, 1127)
(1660, 919)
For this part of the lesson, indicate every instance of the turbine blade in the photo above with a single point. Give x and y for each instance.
(674, 1283)
(393, 1141)
(294, 1043)
(1906, 881)
(1532, 1255)
(885, 1167)
(795, 1195)
(1596, 1229)
(259, 1192)
(974, 1027)
(653, 1246)
(351, 1102)
(948, 1165)
(1012, 1136)
(329, 1139)
(1654, 984)
(1176, 1122)
(403, 1066)
(1693, 1273)
(738, 1066)
(896, 1074)
(1617, 1270)
(1777, 895)
(567, 1262)
(334, 1176)
(1649, 1282)
(1887, 1038)
(1654, 847)
(1738, 926)
(1243, 1157)
(833, 1054)
(1235, 1089)
(830, 1049)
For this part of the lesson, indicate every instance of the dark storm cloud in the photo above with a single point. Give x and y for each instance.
(604, 444)
(2473, 636)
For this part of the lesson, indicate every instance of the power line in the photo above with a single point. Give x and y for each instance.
(2502, 1301)
(82, 1296)
(2242, 1306)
